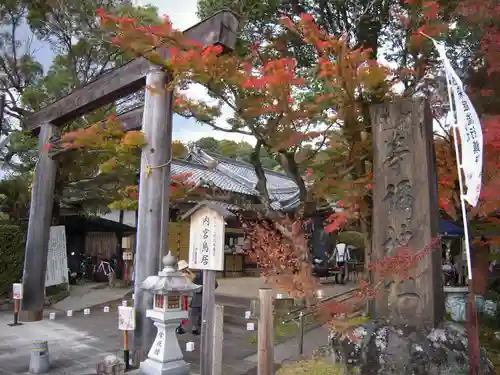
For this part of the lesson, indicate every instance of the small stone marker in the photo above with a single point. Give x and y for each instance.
(250, 327)
(39, 358)
(86, 312)
(190, 346)
(111, 365)
(106, 308)
(124, 303)
(69, 313)
(52, 316)
(248, 314)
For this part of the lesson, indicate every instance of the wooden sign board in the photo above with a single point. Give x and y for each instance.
(126, 243)
(206, 240)
(126, 318)
(57, 257)
(127, 255)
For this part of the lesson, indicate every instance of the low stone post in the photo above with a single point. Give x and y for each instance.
(165, 356)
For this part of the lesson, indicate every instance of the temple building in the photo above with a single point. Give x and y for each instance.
(234, 181)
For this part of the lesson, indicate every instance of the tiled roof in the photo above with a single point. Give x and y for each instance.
(224, 173)
(199, 172)
(236, 176)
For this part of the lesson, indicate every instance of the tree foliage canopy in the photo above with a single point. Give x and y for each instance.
(81, 52)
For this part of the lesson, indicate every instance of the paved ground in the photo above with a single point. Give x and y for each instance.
(79, 342)
(248, 287)
(92, 294)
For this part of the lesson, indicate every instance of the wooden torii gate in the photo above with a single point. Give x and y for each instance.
(220, 29)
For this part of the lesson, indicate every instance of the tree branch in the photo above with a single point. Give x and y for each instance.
(261, 179)
(292, 169)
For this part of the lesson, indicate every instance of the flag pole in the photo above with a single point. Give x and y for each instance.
(472, 329)
(459, 170)
(473, 334)
(461, 186)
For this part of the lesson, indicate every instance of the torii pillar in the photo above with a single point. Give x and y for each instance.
(40, 218)
(154, 195)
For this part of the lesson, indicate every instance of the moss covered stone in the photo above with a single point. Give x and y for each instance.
(312, 367)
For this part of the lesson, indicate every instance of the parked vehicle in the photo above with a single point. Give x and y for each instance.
(74, 268)
(334, 264)
(329, 268)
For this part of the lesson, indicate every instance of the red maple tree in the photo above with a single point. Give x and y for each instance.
(265, 89)
(482, 21)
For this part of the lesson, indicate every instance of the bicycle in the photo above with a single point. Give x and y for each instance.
(105, 267)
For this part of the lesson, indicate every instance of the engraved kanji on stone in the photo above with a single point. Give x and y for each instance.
(400, 199)
(396, 150)
(397, 239)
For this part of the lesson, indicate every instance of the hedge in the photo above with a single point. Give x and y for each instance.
(12, 240)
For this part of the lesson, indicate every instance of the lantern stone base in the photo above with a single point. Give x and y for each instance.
(152, 367)
(165, 356)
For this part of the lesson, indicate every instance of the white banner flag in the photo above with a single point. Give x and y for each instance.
(469, 127)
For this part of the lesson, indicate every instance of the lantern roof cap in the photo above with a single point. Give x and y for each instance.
(169, 280)
(169, 262)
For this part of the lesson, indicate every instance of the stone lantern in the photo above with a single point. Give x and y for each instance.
(165, 356)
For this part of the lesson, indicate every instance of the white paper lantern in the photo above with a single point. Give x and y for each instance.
(190, 346)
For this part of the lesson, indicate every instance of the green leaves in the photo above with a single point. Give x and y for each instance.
(82, 51)
(11, 256)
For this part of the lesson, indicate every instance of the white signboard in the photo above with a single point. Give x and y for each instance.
(57, 257)
(126, 318)
(17, 291)
(206, 240)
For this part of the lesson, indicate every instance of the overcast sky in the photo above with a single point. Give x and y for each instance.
(183, 15)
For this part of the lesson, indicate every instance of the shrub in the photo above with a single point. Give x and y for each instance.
(12, 240)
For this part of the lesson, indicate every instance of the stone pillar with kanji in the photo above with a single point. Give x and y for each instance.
(405, 211)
